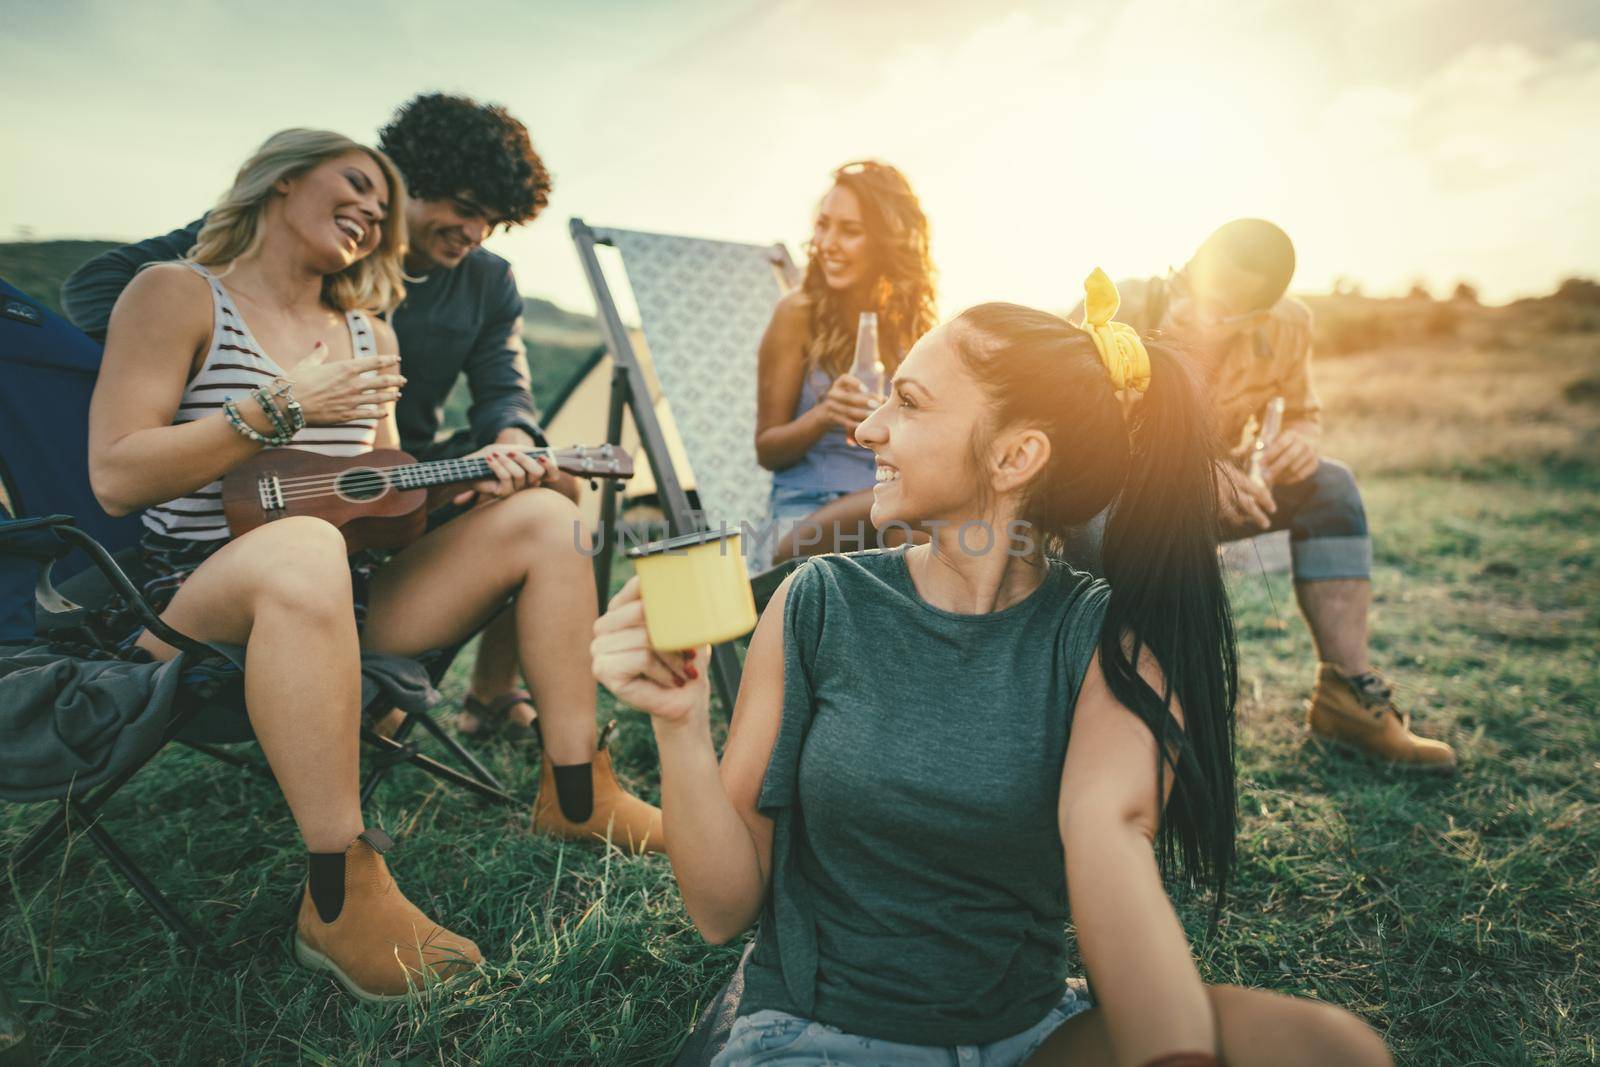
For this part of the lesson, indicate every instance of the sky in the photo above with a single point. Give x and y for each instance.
(1395, 140)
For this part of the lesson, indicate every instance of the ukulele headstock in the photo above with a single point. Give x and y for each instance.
(595, 461)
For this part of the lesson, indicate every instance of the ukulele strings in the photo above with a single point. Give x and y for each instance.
(400, 466)
(326, 481)
(328, 485)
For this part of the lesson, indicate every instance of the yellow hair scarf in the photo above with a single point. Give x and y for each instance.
(1121, 350)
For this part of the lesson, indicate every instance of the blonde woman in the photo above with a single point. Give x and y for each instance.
(282, 293)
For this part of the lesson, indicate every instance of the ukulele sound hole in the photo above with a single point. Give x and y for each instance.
(361, 484)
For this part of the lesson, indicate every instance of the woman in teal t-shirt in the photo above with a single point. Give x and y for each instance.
(933, 745)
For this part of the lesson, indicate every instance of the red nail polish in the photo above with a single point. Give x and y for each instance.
(690, 671)
(680, 681)
(689, 654)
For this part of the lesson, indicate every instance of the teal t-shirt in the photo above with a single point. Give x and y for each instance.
(918, 885)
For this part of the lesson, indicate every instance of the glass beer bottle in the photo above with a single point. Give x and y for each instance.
(867, 368)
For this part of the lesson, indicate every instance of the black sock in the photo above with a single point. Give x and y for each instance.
(575, 791)
(327, 884)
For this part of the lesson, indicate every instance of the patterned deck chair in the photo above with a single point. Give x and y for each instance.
(703, 306)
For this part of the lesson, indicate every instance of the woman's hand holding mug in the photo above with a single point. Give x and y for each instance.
(670, 687)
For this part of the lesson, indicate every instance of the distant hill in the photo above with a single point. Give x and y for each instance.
(551, 323)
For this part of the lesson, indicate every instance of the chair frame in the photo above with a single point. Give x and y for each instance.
(58, 614)
(630, 393)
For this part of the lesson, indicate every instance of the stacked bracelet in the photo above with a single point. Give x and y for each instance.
(279, 422)
(283, 387)
(230, 411)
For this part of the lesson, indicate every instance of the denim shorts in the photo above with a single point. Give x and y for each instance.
(787, 509)
(778, 1038)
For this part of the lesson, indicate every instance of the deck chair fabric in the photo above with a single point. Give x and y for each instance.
(704, 306)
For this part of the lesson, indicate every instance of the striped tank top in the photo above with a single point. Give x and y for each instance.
(234, 367)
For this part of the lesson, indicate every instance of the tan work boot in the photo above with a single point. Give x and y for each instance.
(381, 943)
(1359, 713)
(633, 824)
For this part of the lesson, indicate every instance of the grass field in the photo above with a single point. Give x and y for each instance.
(1461, 917)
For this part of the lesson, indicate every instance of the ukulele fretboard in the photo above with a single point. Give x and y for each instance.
(448, 471)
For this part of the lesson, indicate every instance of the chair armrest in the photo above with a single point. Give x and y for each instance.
(35, 539)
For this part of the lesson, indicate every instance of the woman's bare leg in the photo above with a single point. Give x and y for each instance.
(457, 577)
(447, 584)
(283, 592)
(1257, 1029)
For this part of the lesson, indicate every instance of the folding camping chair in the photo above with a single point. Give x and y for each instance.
(703, 306)
(47, 372)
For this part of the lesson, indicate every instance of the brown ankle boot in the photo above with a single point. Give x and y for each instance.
(633, 824)
(1359, 713)
(381, 943)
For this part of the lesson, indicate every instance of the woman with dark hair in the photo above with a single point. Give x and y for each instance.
(868, 253)
(934, 744)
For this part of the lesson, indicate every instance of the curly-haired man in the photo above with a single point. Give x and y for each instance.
(469, 168)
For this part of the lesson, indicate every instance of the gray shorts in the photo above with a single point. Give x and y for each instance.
(778, 1038)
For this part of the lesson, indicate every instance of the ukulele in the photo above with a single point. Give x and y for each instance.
(379, 499)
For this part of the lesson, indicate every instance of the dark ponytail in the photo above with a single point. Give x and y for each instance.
(1167, 595)
(1153, 466)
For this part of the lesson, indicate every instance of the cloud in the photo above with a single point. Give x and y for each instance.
(1482, 168)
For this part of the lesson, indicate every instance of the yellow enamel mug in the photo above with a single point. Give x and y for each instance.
(695, 590)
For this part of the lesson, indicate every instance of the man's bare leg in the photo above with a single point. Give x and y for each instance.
(495, 671)
(1336, 614)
